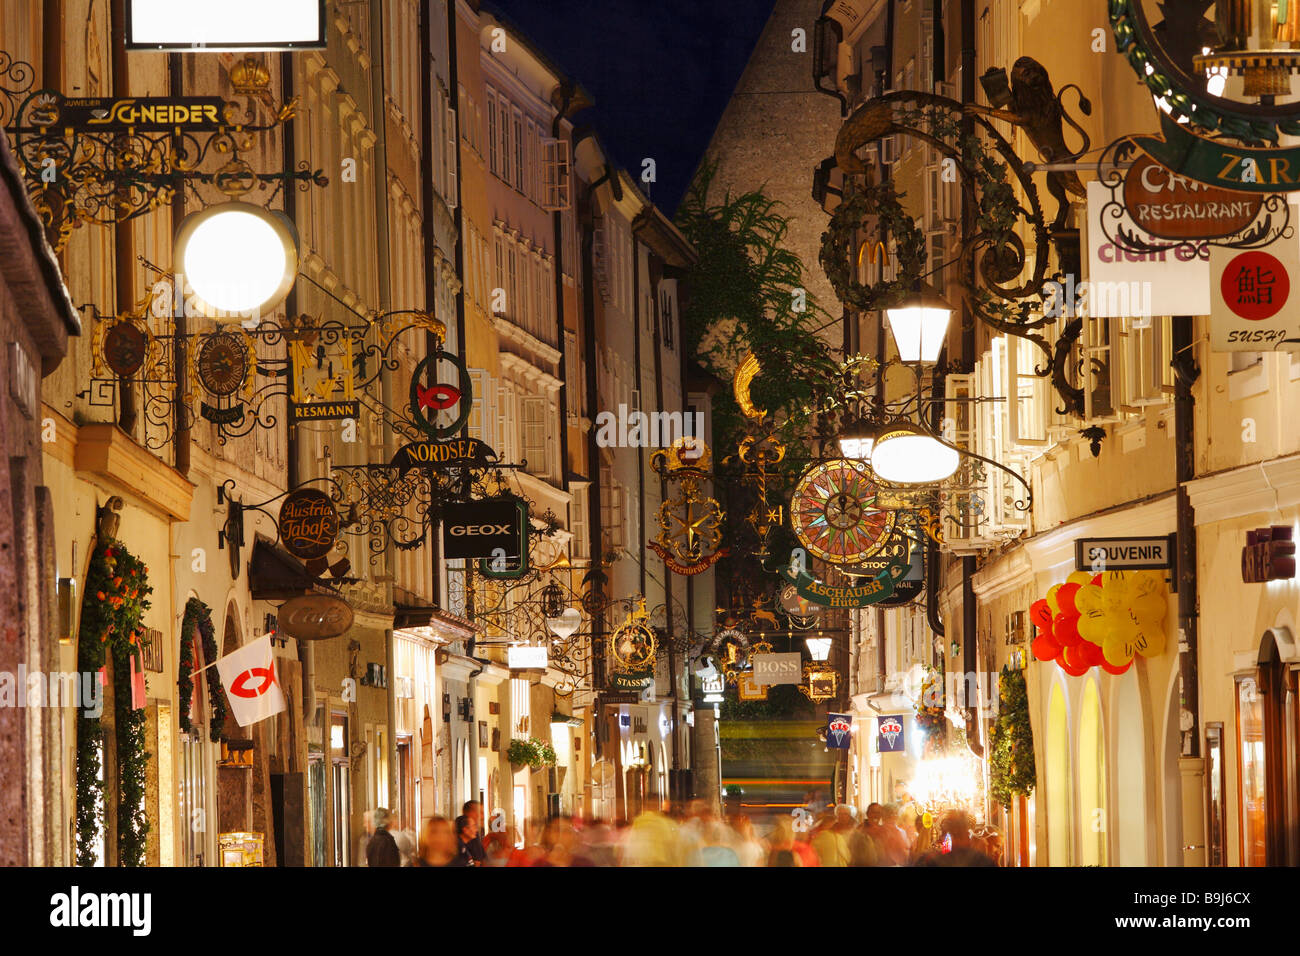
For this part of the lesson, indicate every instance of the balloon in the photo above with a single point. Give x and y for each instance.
(1092, 626)
(1114, 591)
(1088, 598)
(1150, 641)
(1040, 613)
(1092, 653)
(1044, 648)
(1079, 577)
(1071, 669)
(1065, 598)
(1116, 650)
(1110, 668)
(1065, 630)
(1096, 579)
(1051, 599)
(1073, 655)
(1150, 608)
(1142, 583)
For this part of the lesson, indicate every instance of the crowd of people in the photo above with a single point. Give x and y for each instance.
(695, 835)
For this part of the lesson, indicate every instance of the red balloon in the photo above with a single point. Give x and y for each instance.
(1092, 653)
(1074, 656)
(1110, 668)
(1096, 579)
(1065, 629)
(1040, 613)
(1072, 670)
(1065, 599)
(1044, 648)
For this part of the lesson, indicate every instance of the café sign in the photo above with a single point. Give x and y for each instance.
(315, 617)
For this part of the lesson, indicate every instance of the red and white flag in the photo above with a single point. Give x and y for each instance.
(251, 683)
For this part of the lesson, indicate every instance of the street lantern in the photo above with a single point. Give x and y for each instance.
(858, 439)
(235, 260)
(920, 325)
(906, 455)
(819, 648)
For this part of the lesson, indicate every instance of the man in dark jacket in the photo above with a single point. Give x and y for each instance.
(382, 848)
(467, 840)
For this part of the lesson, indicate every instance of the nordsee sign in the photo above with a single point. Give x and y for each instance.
(1122, 554)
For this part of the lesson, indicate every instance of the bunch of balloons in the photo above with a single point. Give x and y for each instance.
(1101, 620)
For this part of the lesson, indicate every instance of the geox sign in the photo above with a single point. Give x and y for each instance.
(480, 528)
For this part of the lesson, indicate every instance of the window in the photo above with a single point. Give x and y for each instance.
(513, 296)
(499, 276)
(520, 145)
(505, 141)
(574, 379)
(340, 761)
(494, 162)
(451, 194)
(578, 523)
(1250, 774)
(555, 174)
(534, 434)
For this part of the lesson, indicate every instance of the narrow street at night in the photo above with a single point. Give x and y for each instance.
(622, 434)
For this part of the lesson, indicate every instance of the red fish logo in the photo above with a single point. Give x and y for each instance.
(437, 396)
(239, 686)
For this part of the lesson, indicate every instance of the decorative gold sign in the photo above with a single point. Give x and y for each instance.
(309, 524)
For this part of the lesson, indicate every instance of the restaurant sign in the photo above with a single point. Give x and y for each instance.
(1171, 206)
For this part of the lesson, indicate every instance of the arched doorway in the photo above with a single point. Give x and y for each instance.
(1130, 817)
(1173, 792)
(1058, 779)
(1268, 726)
(1093, 818)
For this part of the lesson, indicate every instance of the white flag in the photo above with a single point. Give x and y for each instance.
(251, 683)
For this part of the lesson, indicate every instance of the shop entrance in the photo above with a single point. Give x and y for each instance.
(1268, 748)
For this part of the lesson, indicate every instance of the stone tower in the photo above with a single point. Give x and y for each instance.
(775, 130)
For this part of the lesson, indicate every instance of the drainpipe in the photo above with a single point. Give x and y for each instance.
(970, 654)
(557, 219)
(124, 264)
(1191, 763)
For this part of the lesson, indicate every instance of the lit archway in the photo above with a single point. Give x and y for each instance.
(1093, 818)
(1130, 817)
(1057, 779)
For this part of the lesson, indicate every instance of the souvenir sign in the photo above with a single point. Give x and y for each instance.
(315, 617)
(490, 528)
(1119, 554)
(889, 735)
(441, 395)
(835, 514)
(1252, 302)
(309, 524)
(839, 731)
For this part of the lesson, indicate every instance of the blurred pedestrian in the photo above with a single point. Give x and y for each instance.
(781, 843)
(438, 844)
(830, 844)
(467, 834)
(749, 849)
(496, 850)
(714, 847)
(957, 827)
(381, 849)
(474, 847)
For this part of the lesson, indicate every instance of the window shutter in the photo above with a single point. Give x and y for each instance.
(494, 152)
(534, 417)
(508, 419)
(453, 192)
(479, 426)
(578, 523)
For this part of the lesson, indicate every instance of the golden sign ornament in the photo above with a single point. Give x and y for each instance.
(745, 373)
(632, 645)
(835, 512)
(690, 525)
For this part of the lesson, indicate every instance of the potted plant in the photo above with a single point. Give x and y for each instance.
(530, 752)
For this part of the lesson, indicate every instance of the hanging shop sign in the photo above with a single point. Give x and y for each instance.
(900, 548)
(1132, 273)
(690, 525)
(631, 650)
(863, 595)
(630, 681)
(324, 388)
(748, 689)
(315, 617)
(889, 735)
(1171, 206)
(1252, 307)
(231, 25)
(309, 524)
(770, 670)
(713, 689)
(839, 731)
(835, 514)
(485, 529)
(1269, 555)
(526, 657)
(141, 114)
(1123, 554)
(1222, 164)
(442, 395)
(453, 453)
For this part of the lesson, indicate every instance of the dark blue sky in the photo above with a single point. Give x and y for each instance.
(660, 71)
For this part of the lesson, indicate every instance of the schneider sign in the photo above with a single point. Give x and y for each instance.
(1123, 554)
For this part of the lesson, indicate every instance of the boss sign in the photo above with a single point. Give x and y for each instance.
(772, 669)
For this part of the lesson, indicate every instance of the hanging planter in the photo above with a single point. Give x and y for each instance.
(530, 752)
(198, 616)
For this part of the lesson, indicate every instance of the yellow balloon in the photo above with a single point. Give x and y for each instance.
(1150, 641)
(1143, 583)
(1079, 577)
(1150, 608)
(1092, 624)
(1116, 650)
(1051, 599)
(1088, 598)
(1114, 590)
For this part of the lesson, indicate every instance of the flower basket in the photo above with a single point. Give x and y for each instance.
(530, 752)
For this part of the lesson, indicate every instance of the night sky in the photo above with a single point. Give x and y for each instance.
(661, 72)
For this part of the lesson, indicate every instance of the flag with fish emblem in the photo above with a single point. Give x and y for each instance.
(251, 683)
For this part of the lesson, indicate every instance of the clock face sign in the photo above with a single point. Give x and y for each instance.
(223, 363)
(835, 513)
(124, 348)
(441, 395)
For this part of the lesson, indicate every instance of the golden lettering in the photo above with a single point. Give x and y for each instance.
(1233, 160)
